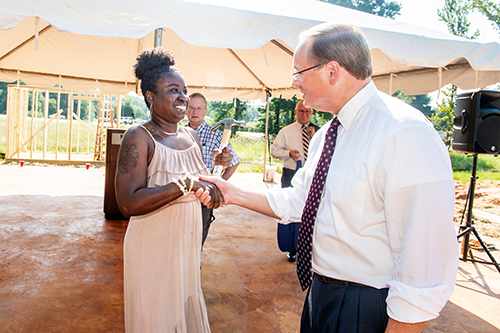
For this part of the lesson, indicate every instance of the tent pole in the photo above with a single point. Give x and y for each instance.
(158, 36)
(268, 95)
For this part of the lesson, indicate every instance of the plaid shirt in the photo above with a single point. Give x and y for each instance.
(211, 140)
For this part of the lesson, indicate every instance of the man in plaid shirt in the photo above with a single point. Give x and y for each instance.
(210, 141)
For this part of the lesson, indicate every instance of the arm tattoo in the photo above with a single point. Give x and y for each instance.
(128, 158)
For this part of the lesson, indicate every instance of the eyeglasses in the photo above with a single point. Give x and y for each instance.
(197, 108)
(295, 73)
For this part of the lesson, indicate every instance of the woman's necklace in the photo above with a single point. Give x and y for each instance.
(158, 127)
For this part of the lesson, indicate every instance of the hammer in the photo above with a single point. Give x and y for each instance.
(228, 124)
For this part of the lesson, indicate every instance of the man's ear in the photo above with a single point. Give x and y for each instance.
(333, 70)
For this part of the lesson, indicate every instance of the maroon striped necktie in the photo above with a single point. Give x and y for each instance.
(305, 140)
(306, 230)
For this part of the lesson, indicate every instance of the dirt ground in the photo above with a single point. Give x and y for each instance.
(61, 261)
(487, 201)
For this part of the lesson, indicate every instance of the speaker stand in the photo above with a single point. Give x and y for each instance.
(466, 229)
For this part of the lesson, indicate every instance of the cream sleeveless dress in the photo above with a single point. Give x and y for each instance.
(162, 284)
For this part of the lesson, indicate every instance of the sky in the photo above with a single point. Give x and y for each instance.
(424, 13)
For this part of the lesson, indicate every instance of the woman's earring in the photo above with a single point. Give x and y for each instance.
(151, 108)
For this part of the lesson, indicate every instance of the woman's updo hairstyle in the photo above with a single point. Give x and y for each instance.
(151, 65)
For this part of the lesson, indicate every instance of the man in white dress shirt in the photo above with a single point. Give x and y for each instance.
(289, 147)
(384, 250)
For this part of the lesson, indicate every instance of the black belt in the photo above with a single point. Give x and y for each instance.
(326, 279)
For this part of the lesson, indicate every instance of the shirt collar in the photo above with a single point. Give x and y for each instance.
(352, 107)
(202, 126)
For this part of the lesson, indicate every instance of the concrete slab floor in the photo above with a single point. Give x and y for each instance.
(61, 263)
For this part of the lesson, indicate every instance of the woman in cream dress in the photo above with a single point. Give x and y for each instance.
(157, 171)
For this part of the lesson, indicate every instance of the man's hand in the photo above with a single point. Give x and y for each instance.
(212, 196)
(294, 154)
(311, 130)
(223, 157)
(223, 186)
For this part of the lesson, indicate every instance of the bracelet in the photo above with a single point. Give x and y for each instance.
(181, 187)
(181, 180)
(188, 176)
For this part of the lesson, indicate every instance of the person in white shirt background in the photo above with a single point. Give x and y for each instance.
(384, 248)
(289, 147)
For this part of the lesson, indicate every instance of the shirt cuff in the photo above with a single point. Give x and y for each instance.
(408, 304)
(273, 198)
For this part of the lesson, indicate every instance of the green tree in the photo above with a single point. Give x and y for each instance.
(443, 118)
(127, 108)
(52, 106)
(454, 15)
(420, 102)
(235, 108)
(280, 114)
(408, 99)
(378, 7)
(240, 112)
(253, 113)
(3, 95)
(134, 106)
(140, 108)
(423, 103)
(220, 110)
(40, 102)
(489, 9)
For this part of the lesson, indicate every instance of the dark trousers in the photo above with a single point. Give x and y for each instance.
(343, 308)
(286, 177)
(207, 217)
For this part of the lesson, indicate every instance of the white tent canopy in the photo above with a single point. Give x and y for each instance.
(224, 48)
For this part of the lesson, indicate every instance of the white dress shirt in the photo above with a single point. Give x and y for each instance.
(386, 215)
(288, 138)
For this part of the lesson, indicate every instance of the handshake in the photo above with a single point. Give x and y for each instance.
(205, 189)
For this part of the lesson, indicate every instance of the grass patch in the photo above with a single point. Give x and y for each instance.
(485, 177)
(57, 135)
(251, 153)
(488, 167)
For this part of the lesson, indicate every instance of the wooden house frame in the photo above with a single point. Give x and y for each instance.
(69, 135)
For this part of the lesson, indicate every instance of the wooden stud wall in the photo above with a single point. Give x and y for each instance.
(30, 143)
